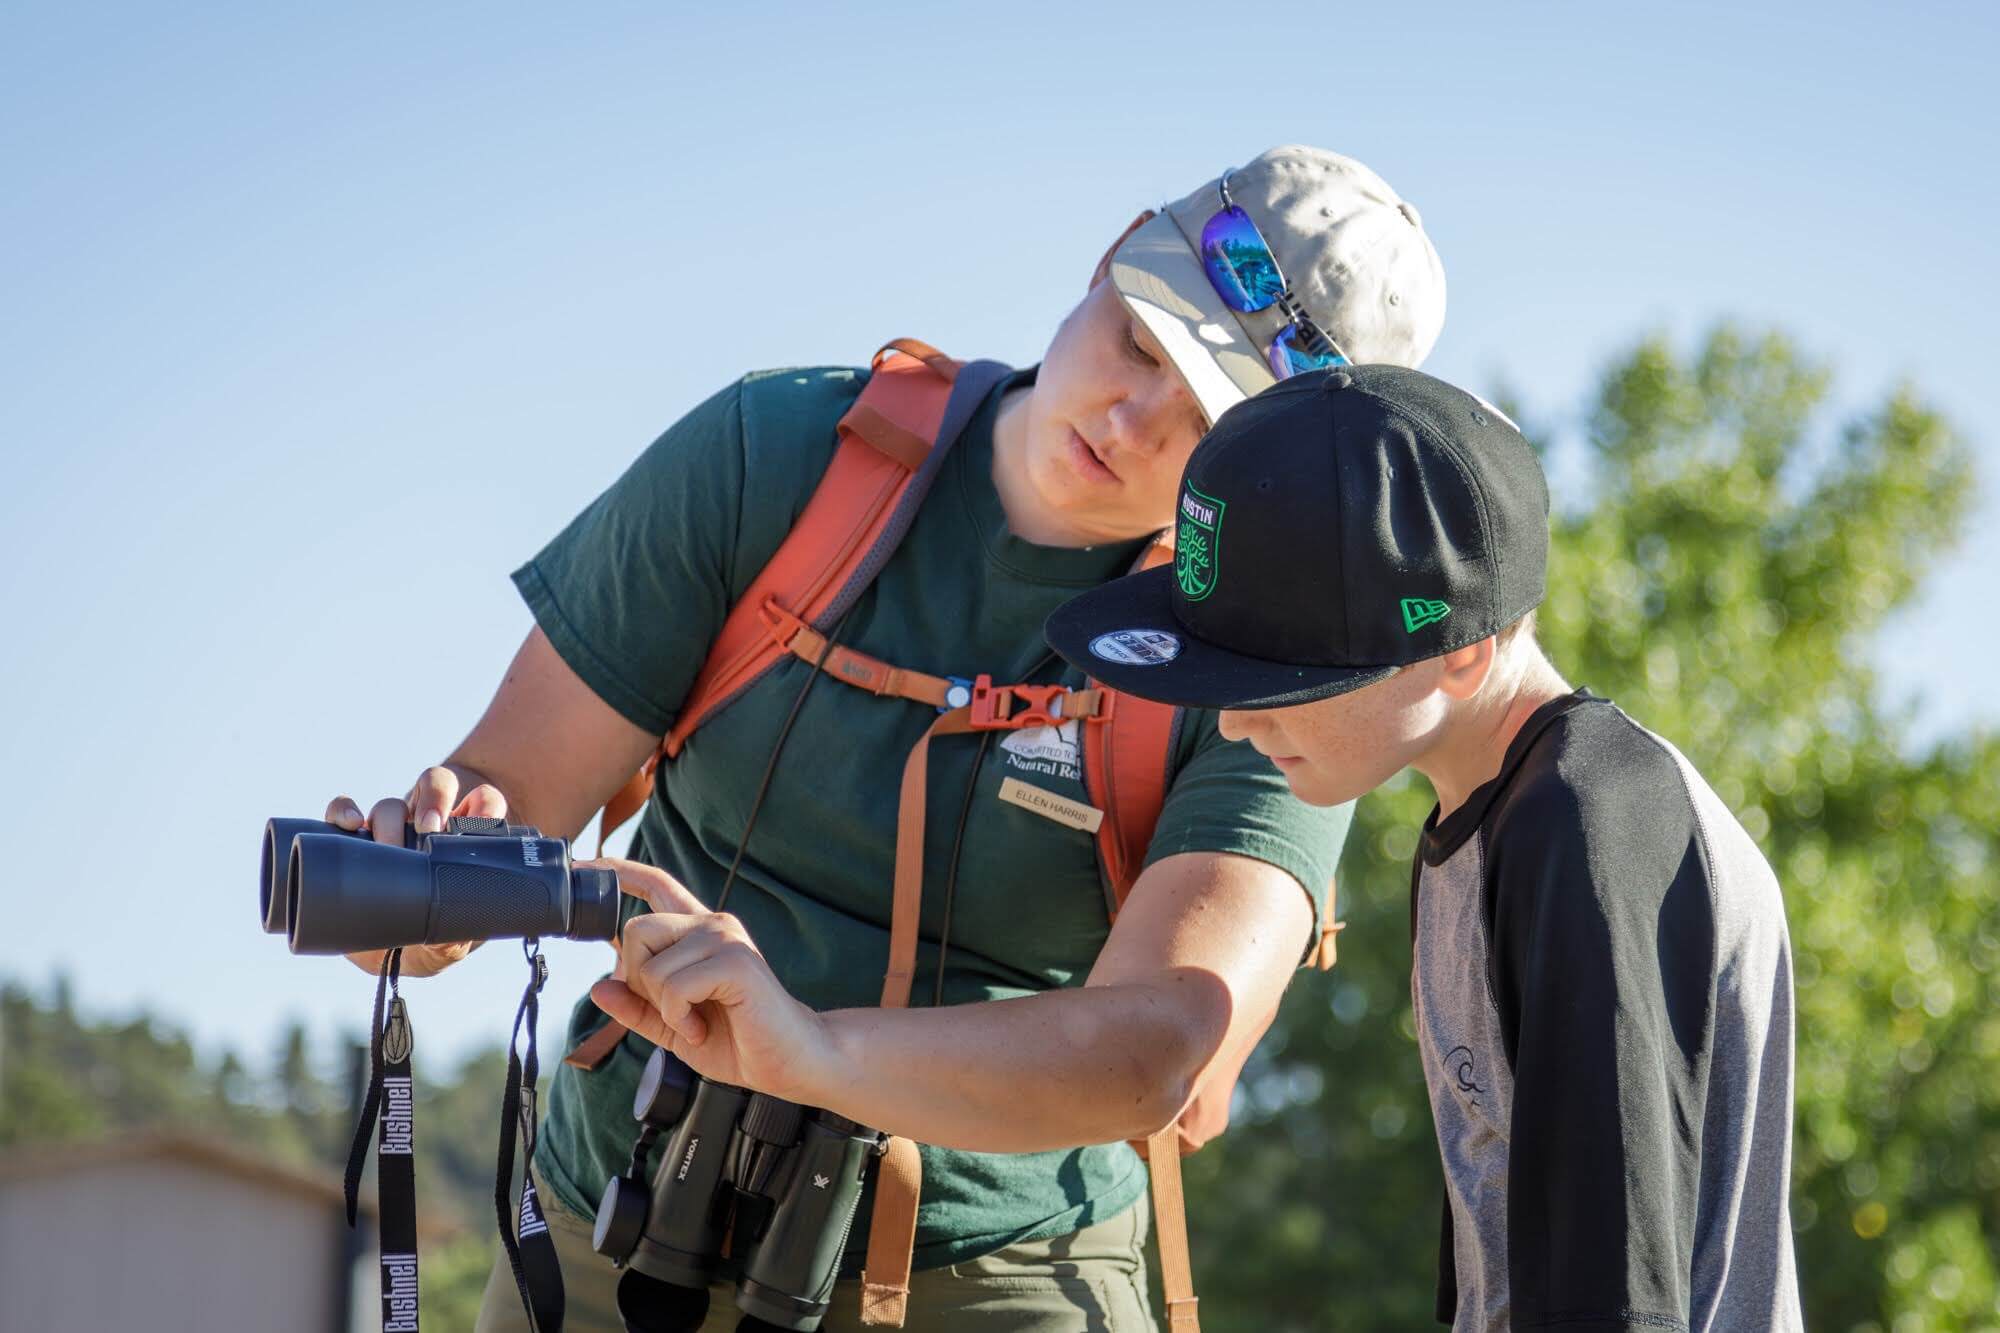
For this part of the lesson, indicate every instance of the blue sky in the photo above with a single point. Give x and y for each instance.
(318, 322)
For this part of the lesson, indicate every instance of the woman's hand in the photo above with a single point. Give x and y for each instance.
(694, 982)
(433, 799)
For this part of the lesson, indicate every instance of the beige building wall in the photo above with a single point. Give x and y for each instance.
(169, 1245)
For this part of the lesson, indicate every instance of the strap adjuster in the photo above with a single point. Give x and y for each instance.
(1014, 707)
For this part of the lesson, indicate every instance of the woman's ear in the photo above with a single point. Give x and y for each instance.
(1104, 264)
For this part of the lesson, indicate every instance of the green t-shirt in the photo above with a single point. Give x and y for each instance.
(632, 593)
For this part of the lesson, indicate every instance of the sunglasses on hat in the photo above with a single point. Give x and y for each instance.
(1245, 274)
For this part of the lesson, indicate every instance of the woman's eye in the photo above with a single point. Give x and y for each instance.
(1137, 352)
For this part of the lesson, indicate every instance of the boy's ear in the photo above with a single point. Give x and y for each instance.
(1466, 669)
(1104, 264)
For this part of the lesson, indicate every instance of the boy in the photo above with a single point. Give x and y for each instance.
(1602, 977)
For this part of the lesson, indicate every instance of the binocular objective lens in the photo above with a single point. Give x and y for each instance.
(648, 1305)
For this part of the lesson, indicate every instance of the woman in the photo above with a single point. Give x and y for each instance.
(1044, 1037)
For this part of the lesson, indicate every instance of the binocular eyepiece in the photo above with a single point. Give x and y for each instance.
(331, 891)
(749, 1187)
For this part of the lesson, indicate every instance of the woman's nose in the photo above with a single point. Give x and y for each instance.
(1132, 428)
(1146, 423)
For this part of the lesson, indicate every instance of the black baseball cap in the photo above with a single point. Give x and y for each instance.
(1339, 525)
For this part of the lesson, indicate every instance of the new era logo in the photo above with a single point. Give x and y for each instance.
(1418, 613)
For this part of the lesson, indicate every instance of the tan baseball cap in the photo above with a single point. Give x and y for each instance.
(1353, 251)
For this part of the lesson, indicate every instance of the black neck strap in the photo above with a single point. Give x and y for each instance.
(523, 1232)
(391, 1103)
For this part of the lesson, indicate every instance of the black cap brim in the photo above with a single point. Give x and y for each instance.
(1126, 635)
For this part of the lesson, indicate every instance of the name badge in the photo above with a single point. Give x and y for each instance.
(1047, 804)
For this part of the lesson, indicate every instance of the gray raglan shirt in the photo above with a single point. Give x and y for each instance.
(1603, 992)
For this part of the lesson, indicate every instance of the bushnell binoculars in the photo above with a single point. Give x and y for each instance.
(328, 890)
(750, 1188)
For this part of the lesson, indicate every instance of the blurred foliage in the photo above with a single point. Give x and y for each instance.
(1724, 580)
(62, 1077)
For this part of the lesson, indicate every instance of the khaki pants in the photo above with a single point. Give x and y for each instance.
(1092, 1280)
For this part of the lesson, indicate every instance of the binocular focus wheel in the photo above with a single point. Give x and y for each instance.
(621, 1218)
(484, 825)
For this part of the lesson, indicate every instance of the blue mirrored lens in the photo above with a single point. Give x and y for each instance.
(1239, 264)
(1289, 356)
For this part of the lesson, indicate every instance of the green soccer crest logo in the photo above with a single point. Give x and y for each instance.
(1197, 543)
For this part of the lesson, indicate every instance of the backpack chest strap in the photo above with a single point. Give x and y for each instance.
(963, 707)
(989, 706)
(991, 710)
(849, 667)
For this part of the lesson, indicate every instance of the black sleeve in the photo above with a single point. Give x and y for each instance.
(1445, 1306)
(1602, 930)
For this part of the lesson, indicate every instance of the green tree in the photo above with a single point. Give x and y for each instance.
(1727, 575)
(38, 1101)
(298, 1086)
(232, 1081)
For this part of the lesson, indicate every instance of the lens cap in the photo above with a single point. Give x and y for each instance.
(621, 1218)
(664, 1089)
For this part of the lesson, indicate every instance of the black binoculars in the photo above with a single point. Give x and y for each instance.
(749, 1187)
(328, 890)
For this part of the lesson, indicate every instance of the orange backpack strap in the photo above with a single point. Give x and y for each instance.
(892, 1230)
(1125, 764)
(1322, 954)
(1163, 1166)
(1126, 773)
(865, 503)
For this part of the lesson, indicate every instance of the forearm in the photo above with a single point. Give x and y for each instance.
(520, 796)
(549, 745)
(1189, 961)
(468, 775)
(1056, 1070)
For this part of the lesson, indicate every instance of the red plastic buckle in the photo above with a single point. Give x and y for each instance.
(1013, 707)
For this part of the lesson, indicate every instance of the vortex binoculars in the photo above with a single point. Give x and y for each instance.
(331, 891)
(749, 1187)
